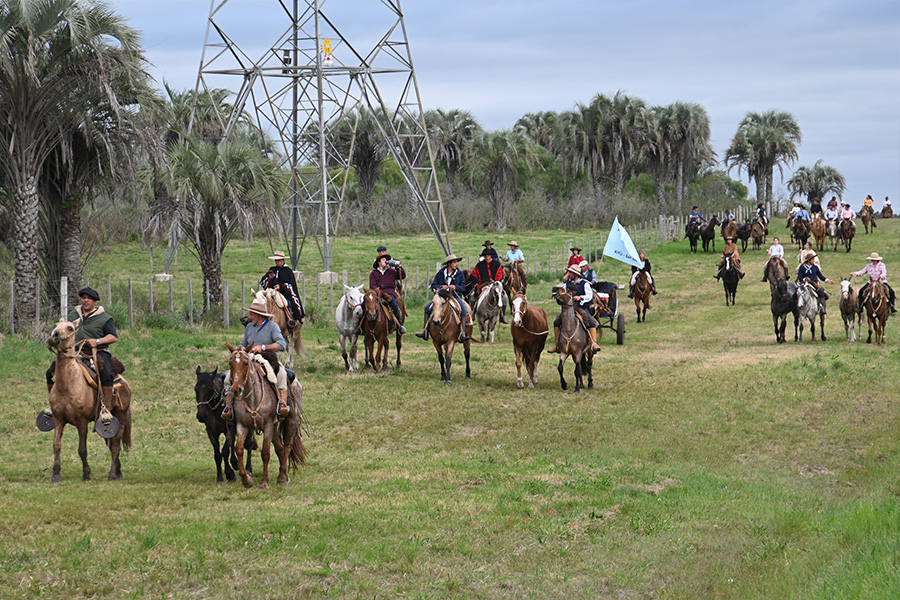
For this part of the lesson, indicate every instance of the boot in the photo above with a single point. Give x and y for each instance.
(555, 347)
(630, 290)
(228, 412)
(594, 346)
(105, 414)
(283, 408)
(424, 333)
(399, 321)
(503, 318)
(653, 288)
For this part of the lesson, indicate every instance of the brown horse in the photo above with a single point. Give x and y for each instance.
(777, 269)
(877, 310)
(867, 214)
(515, 281)
(444, 328)
(377, 325)
(76, 402)
(849, 304)
(887, 212)
(529, 334)
(277, 305)
(817, 227)
(847, 231)
(574, 340)
(800, 232)
(758, 233)
(641, 293)
(255, 410)
(729, 228)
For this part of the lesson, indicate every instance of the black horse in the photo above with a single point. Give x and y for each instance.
(743, 234)
(208, 391)
(693, 234)
(708, 233)
(730, 278)
(784, 301)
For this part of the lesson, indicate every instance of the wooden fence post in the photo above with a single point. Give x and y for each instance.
(63, 297)
(171, 300)
(130, 304)
(150, 287)
(190, 303)
(109, 291)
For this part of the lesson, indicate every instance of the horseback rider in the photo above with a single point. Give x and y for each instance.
(776, 253)
(515, 257)
(846, 213)
(815, 207)
(809, 271)
(280, 277)
(452, 279)
(644, 269)
(693, 217)
(96, 328)
(394, 264)
(730, 248)
(384, 278)
(575, 259)
(587, 272)
(489, 269)
(802, 214)
(261, 334)
(887, 203)
(831, 211)
(869, 202)
(876, 272)
(583, 297)
(760, 215)
(489, 248)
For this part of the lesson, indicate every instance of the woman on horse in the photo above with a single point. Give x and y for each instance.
(644, 269)
(869, 202)
(802, 214)
(385, 278)
(576, 257)
(583, 297)
(846, 213)
(281, 278)
(776, 253)
(831, 211)
(809, 272)
(730, 248)
(760, 214)
(452, 279)
(876, 272)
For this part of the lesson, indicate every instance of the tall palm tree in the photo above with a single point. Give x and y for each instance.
(625, 134)
(451, 132)
(56, 61)
(496, 158)
(817, 182)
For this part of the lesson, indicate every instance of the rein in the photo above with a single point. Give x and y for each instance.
(215, 396)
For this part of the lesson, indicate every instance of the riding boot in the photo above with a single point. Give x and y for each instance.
(424, 333)
(630, 290)
(555, 347)
(503, 318)
(594, 346)
(462, 331)
(653, 288)
(283, 408)
(228, 412)
(399, 320)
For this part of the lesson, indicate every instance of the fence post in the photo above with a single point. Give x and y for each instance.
(63, 297)
(109, 291)
(190, 303)
(226, 320)
(331, 294)
(318, 296)
(150, 287)
(358, 278)
(417, 277)
(130, 304)
(171, 300)
(346, 281)
(243, 294)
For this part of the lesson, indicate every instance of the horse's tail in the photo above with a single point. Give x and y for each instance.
(297, 341)
(126, 430)
(290, 430)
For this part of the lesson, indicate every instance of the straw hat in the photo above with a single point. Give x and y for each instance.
(513, 244)
(874, 256)
(279, 255)
(259, 307)
(574, 270)
(450, 258)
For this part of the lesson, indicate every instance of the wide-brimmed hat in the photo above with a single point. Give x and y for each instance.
(874, 256)
(574, 270)
(583, 263)
(378, 258)
(809, 254)
(488, 243)
(279, 255)
(513, 244)
(449, 259)
(575, 249)
(90, 293)
(729, 239)
(487, 252)
(259, 307)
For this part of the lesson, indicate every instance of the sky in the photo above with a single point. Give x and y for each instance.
(833, 64)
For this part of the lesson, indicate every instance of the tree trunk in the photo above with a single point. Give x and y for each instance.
(770, 176)
(70, 246)
(680, 185)
(27, 287)
(212, 275)
(760, 188)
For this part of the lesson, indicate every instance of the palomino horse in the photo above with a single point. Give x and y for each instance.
(693, 234)
(444, 328)
(831, 231)
(867, 214)
(641, 293)
(817, 227)
(255, 410)
(800, 232)
(878, 310)
(758, 233)
(574, 340)
(348, 315)
(730, 278)
(76, 402)
(529, 333)
(488, 307)
(849, 304)
(378, 325)
(808, 306)
(847, 231)
(515, 281)
(708, 233)
(210, 402)
(784, 301)
(277, 305)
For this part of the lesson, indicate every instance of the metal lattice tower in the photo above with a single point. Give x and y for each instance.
(305, 84)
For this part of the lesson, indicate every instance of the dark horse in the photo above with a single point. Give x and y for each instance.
(847, 231)
(377, 325)
(529, 334)
(444, 328)
(708, 233)
(743, 234)
(574, 340)
(641, 293)
(730, 278)
(208, 392)
(878, 310)
(784, 302)
(800, 232)
(867, 214)
(693, 234)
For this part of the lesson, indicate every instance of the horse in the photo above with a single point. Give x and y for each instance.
(730, 278)
(877, 310)
(777, 269)
(743, 234)
(378, 325)
(641, 292)
(488, 307)
(75, 401)
(515, 280)
(847, 231)
(348, 315)
(444, 328)
(800, 232)
(887, 212)
(849, 304)
(529, 334)
(276, 304)
(708, 233)
(255, 410)
(817, 227)
(867, 214)
(758, 233)
(574, 340)
(784, 301)
(831, 231)
(729, 228)
(208, 392)
(693, 234)
(808, 307)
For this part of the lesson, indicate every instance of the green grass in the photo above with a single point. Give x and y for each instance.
(708, 462)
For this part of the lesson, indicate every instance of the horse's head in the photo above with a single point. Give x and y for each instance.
(805, 294)
(353, 296)
(208, 388)
(729, 261)
(372, 303)
(519, 306)
(239, 363)
(62, 338)
(714, 220)
(562, 295)
(845, 287)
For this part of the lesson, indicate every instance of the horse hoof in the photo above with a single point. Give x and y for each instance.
(530, 385)
(446, 382)
(520, 384)
(264, 486)
(248, 483)
(57, 478)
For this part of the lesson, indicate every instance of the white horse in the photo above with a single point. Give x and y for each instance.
(488, 308)
(808, 306)
(348, 315)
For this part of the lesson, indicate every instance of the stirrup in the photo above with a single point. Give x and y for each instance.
(228, 413)
(283, 408)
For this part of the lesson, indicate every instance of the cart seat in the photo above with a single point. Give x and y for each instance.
(608, 291)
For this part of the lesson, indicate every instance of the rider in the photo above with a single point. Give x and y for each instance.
(96, 328)
(887, 203)
(845, 213)
(587, 272)
(385, 278)
(693, 217)
(876, 272)
(776, 253)
(489, 269)
(815, 207)
(583, 297)
(644, 269)
(730, 248)
(728, 216)
(261, 333)
(869, 202)
(802, 214)
(831, 212)
(489, 248)
(760, 214)
(394, 264)
(809, 271)
(576, 257)
(515, 258)
(449, 278)
(281, 278)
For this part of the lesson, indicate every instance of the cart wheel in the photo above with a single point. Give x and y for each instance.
(620, 330)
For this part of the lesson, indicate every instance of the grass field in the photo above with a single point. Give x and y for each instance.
(707, 462)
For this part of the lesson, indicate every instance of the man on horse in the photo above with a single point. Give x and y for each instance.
(693, 217)
(876, 272)
(489, 248)
(394, 264)
(815, 207)
(802, 214)
(644, 269)
(96, 329)
(489, 269)
(452, 279)
(776, 253)
(261, 334)
(385, 278)
(809, 271)
(583, 296)
(760, 215)
(887, 203)
(730, 248)
(280, 277)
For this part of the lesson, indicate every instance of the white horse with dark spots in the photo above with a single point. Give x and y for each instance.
(347, 315)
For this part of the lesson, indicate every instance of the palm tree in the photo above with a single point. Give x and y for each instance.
(817, 182)
(56, 61)
(625, 134)
(359, 136)
(451, 132)
(496, 158)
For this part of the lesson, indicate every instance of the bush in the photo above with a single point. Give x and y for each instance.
(164, 321)
(119, 312)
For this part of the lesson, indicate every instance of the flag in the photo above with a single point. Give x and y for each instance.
(620, 247)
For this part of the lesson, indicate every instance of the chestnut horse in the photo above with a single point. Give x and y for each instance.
(255, 410)
(641, 293)
(887, 212)
(444, 328)
(800, 232)
(76, 402)
(817, 226)
(877, 310)
(849, 304)
(574, 340)
(758, 233)
(847, 231)
(777, 269)
(529, 334)
(867, 214)
(378, 324)
(729, 229)
(515, 281)
(277, 305)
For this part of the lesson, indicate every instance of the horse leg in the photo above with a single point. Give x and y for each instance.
(579, 375)
(57, 447)
(822, 327)
(82, 451)
(559, 367)
(343, 341)
(246, 479)
(354, 363)
(637, 307)
(266, 454)
(440, 354)
(871, 320)
(213, 436)
(399, 345)
(450, 347)
(115, 447)
(467, 351)
(519, 383)
(588, 365)
(282, 451)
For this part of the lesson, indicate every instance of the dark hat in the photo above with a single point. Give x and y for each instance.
(488, 243)
(378, 258)
(381, 249)
(575, 249)
(90, 293)
(487, 252)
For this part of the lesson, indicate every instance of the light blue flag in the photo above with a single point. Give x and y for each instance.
(620, 247)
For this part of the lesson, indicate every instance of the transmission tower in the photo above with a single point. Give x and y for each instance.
(304, 83)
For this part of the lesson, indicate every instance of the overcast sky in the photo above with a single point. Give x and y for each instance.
(833, 64)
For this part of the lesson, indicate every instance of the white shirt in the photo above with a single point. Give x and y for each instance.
(776, 250)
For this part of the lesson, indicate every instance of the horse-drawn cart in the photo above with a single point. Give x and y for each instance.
(608, 315)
